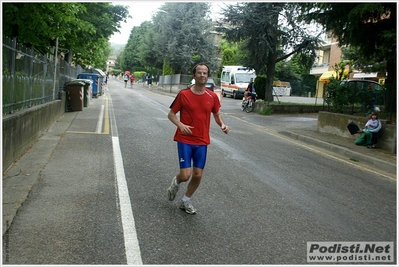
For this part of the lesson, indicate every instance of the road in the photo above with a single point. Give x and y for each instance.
(102, 198)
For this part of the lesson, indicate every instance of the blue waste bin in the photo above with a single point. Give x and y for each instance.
(101, 79)
(96, 85)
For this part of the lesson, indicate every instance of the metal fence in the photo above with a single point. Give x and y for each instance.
(30, 78)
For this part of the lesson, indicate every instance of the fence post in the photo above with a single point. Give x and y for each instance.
(44, 77)
(12, 87)
(30, 76)
(55, 66)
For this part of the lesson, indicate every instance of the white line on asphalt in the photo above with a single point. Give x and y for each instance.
(132, 248)
(100, 120)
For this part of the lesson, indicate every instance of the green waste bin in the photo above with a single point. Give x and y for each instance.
(88, 94)
(75, 95)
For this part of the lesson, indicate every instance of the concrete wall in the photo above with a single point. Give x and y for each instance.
(335, 123)
(23, 128)
(288, 109)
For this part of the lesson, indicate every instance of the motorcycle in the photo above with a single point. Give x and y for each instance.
(248, 103)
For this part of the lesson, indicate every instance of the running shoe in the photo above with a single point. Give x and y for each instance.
(188, 207)
(172, 190)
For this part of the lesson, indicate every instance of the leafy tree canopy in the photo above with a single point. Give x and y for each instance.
(82, 29)
(369, 29)
(269, 32)
(182, 35)
(137, 53)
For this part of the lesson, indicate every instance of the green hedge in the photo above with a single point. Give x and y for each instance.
(138, 75)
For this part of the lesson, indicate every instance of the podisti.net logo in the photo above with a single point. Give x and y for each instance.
(370, 252)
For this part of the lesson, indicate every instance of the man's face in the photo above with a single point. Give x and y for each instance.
(201, 75)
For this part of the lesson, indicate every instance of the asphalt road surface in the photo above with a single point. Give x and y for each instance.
(102, 197)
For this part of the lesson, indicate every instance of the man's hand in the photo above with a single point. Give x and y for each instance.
(186, 129)
(225, 129)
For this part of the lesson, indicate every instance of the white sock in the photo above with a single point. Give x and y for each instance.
(185, 198)
(176, 182)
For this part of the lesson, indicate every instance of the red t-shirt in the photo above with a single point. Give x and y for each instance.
(195, 110)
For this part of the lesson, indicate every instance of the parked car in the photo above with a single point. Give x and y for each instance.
(210, 84)
(365, 90)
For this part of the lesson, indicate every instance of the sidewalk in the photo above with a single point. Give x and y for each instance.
(24, 174)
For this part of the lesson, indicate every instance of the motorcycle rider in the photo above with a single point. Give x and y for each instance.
(251, 90)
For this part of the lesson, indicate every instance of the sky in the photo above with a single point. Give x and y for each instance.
(140, 11)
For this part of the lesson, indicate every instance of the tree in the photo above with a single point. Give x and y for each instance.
(147, 50)
(363, 64)
(41, 24)
(290, 71)
(183, 35)
(93, 49)
(130, 58)
(82, 29)
(269, 32)
(228, 57)
(369, 28)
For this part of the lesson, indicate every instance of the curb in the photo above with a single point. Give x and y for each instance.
(377, 163)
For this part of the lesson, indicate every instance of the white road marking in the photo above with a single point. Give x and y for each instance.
(132, 248)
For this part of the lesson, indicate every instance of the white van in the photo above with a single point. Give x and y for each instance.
(234, 80)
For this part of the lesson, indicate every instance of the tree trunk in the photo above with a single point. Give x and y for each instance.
(271, 64)
(272, 57)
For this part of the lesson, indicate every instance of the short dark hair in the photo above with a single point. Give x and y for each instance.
(201, 64)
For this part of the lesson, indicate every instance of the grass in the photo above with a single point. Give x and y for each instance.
(266, 111)
(294, 103)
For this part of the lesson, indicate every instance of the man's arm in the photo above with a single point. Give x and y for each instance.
(219, 120)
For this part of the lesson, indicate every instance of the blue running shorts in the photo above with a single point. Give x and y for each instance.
(187, 152)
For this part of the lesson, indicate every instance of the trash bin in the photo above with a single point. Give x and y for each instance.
(95, 85)
(101, 79)
(88, 94)
(75, 95)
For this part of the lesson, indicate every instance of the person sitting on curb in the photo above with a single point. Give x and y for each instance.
(370, 133)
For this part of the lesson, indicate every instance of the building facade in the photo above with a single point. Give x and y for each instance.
(329, 55)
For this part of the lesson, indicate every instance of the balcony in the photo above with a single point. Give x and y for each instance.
(318, 69)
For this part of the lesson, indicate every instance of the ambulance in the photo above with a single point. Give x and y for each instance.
(234, 80)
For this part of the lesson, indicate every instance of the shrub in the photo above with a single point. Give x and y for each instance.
(138, 75)
(266, 111)
(336, 95)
